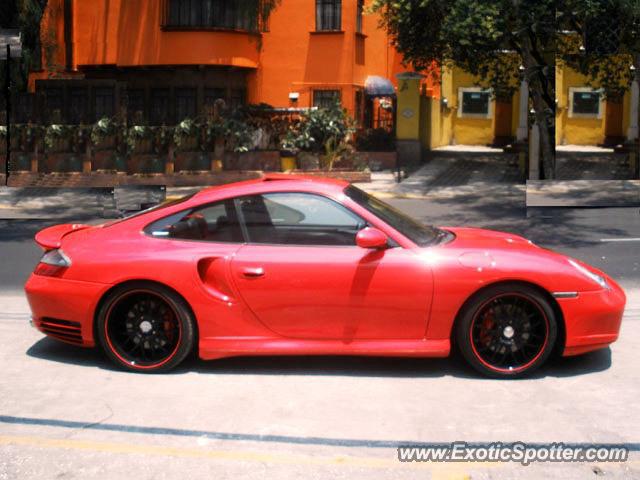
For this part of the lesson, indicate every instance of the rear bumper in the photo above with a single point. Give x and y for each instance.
(64, 309)
(592, 319)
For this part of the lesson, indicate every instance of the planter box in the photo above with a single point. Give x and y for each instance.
(266, 160)
(60, 145)
(63, 162)
(352, 176)
(109, 160)
(107, 143)
(378, 160)
(143, 146)
(145, 163)
(21, 161)
(308, 161)
(189, 144)
(191, 161)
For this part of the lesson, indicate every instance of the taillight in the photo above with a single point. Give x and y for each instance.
(52, 264)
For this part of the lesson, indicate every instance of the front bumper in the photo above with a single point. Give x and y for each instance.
(64, 309)
(592, 319)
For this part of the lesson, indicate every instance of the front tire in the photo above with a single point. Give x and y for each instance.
(507, 331)
(143, 327)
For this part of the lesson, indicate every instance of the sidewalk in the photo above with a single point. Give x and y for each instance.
(583, 193)
(585, 162)
(425, 184)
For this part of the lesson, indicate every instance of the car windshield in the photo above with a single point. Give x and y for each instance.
(417, 232)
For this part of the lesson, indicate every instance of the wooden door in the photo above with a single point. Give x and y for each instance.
(503, 114)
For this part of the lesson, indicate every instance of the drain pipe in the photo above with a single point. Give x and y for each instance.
(68, 35)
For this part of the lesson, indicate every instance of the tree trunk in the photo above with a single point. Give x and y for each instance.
(535, 74)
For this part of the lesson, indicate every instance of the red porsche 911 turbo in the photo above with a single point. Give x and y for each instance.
(290, 265)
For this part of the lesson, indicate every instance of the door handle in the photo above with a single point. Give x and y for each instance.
(253, 272)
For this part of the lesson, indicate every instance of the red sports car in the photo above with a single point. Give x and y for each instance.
(298, 266)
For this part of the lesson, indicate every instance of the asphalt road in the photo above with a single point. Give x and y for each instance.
(66, 413)
(608, 238)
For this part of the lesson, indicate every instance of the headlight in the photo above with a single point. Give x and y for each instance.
(600, 280)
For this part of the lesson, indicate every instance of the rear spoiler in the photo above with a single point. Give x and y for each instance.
(51, 237)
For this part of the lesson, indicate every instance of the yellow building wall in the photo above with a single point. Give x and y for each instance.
(466, 130)
(580, 131)
(560, 102)
(440, 125)
(626, 111)
(576, 131)
(515, 112)
(433, 128)
(469, 131)
(408, 113)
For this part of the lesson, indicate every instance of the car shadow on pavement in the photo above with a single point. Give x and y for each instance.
(349, 366)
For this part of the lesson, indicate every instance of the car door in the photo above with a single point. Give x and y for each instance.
(303, 276)
(201, 240)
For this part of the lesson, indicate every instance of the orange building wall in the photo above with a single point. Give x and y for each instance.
(290, 57)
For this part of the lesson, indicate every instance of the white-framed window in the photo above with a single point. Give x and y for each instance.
(585, 102)
(475, 102)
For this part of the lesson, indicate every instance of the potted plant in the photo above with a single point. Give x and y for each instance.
(139, 139)
(288, 155)
(58, 137)
(321, 137)
(104, 134)
(145, 145)
(214, 140)
(186, 135)
(104, 142)
(239, 138)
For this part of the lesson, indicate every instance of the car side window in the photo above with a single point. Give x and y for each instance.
(298, 219)
(216, 222)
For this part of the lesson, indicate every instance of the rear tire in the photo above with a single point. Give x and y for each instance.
(144, 327)
(507, 331)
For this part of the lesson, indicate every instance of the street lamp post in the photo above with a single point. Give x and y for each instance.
(7, 93)
(10, 44)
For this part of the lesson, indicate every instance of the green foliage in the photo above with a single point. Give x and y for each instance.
(104, 128)
(55, 133)
(214, 130)
(150, 139)
(25, 15)
(599, 39)
(27, 134)
(490, 39)
(318, 129)
(137, 134)
(237, 131)
(606, 27)
(483, 37)
(335, 149)
(185, 130)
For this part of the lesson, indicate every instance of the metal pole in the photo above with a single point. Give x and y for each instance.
(7, 93)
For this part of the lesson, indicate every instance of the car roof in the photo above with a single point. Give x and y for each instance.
(273, 182)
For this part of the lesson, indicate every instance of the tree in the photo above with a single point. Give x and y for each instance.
(490, 39)
(600, 39)
(25, 15)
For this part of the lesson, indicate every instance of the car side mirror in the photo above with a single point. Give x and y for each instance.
(371, 238)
